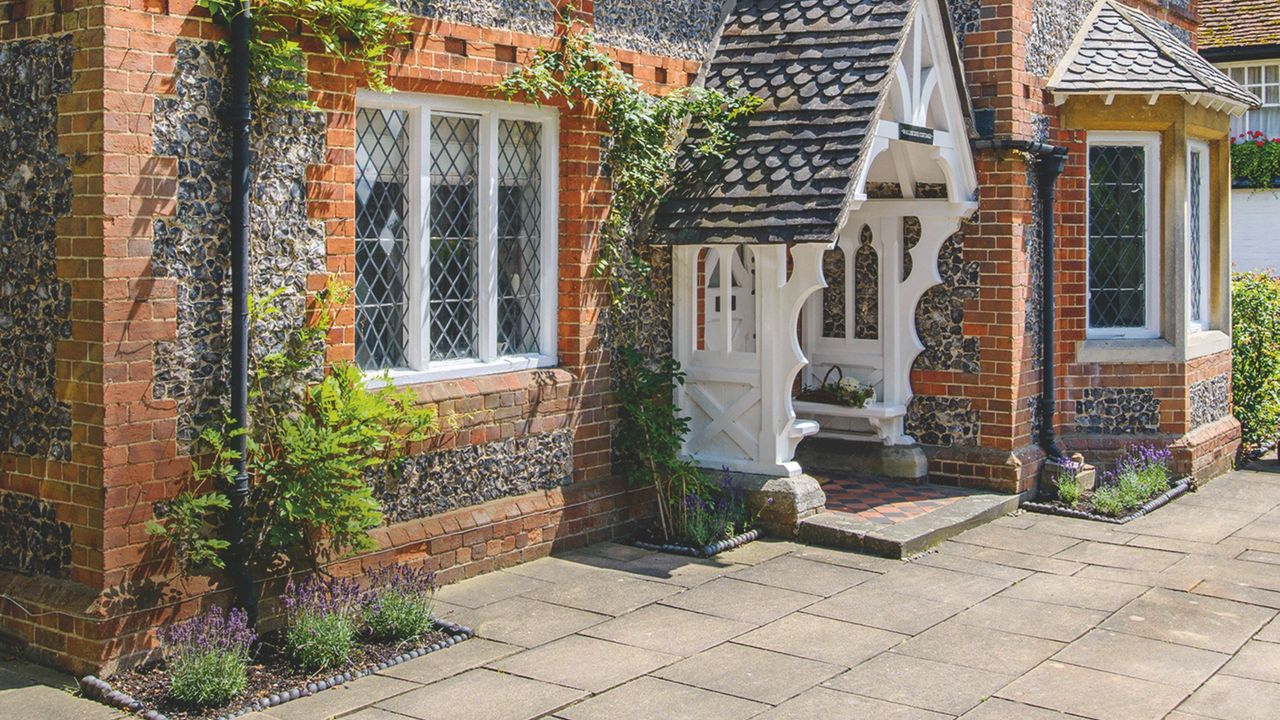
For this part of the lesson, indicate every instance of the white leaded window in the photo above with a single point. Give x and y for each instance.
(1261, 79)
(455, 236)
(1198, 236)
(1124, 235)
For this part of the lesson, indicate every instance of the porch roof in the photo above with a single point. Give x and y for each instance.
(823, 68)
(1121, 50)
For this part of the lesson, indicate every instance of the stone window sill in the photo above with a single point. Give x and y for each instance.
(1120, 351)
(459, 369)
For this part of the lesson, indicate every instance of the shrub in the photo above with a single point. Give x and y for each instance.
(1255, 159)
(400, 602)
(1140, 474)
(208, 657)
(1068, 487)
(1255, 379)
(322, 621)
(713, 512)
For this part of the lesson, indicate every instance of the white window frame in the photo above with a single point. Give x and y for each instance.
(418, 316)
(1206, 235)
(1150, 142)
(1242, 123)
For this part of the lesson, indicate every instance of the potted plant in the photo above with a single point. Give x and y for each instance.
(838, 390)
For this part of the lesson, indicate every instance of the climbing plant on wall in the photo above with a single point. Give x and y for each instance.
(360, 31)
(646, 132)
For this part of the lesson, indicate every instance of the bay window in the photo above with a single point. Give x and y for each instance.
(455, 236)
(1198, 236)
(1124, 235)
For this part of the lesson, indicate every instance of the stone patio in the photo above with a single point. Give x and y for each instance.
(1030, 617)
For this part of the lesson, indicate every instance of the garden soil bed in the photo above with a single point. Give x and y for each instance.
(1084, 509)
(651, 539)
(274, 678)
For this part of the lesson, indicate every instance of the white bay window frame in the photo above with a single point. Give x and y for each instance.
(1205, 240)
(1154, 188)
(488, 113)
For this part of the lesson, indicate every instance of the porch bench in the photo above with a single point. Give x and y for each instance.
(883, 419)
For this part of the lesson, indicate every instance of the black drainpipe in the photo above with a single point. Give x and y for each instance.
(1050, 161)
(240, 117)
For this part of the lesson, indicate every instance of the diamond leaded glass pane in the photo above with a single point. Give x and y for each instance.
(382, 173)
(1117, 236)
(519, 236)
(1195, 234)
(454, 275)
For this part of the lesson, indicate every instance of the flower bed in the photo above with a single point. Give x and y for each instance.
(1139, 483)
(215, 666)
(649, 541)
(710, 518)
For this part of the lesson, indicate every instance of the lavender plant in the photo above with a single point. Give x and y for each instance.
(208, 657)
(400, 602)
(1141, 473)
(713, 511)
(1067, 483)
(322, 621)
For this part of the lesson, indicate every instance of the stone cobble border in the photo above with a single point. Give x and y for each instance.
(100, 690)
(706, 551)
(1179, 488)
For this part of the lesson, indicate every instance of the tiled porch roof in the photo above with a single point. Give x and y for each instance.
(822, 68)
(1121, 50)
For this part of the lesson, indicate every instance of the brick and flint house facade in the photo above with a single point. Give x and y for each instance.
(114, 163)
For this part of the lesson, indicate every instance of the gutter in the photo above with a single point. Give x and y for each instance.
(1050, 160)
(240, 114)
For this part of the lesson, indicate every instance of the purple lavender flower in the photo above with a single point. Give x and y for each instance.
(209, 632)
(319, 596)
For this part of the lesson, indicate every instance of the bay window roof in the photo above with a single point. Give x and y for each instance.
(1122, 51)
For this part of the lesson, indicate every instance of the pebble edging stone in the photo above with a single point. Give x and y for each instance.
(100, 690)
(1179, 488)
(706, 551)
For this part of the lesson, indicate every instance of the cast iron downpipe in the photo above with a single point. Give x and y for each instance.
(1050, 160)
(240, 115)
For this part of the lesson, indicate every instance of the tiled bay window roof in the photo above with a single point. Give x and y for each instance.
(1121, 50)
(1238, 23)
(823, 68)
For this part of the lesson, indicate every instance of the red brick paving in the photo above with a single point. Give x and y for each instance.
(886, 501)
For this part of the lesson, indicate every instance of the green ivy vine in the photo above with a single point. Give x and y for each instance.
(646, 132)
(363, 31)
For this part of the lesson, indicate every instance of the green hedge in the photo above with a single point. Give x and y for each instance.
(1255, 325)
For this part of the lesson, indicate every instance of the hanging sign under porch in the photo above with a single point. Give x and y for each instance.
(915, 134)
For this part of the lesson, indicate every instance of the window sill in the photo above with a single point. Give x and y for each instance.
(1119, 351)
(458, 369)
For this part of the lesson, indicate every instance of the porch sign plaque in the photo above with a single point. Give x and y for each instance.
(915, 133)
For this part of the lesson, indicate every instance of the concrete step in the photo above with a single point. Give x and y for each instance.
(907, 538)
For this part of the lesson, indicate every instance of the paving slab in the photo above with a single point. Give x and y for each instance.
(1009, 558)
(1256, 661)
(482, 695)
(960, 563)
(1000, 709)
(981, 648)
(1236, 492)
(1120, 556)
(486, 589)
(1225, 697)
(1079, 529)
(342, 699)
(940, 585)
(1023, 541)
(847, 558)
(1202, 622)
(1074, 592)
(1152, 660)
(738, 600)
(823, 702)
(891, 611)
(908, 537)
(823, 639)
(648, 698)
(20, 698)
(1035, 619)
(750, 673)
(566, 569)
(608, 594)
(669, 630)
(677, 569)
(758, 551)
(806, 576)
(1239, 593)
(921, 683)
(1192, 522)
(1093, 693)
(528, 623)
(584, 663)
(1270, 632)
(1173, 579)
(457, 659)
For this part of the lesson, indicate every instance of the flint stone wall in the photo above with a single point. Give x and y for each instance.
(672, 28)
(1210, 400)
(535, 17)
(943, 421)
(32, 541)
(35, 190)
(1118, 411)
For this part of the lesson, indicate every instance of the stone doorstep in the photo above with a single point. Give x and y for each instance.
(909, 537)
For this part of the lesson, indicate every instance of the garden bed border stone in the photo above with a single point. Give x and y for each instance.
(100, 690)
(707, 551)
